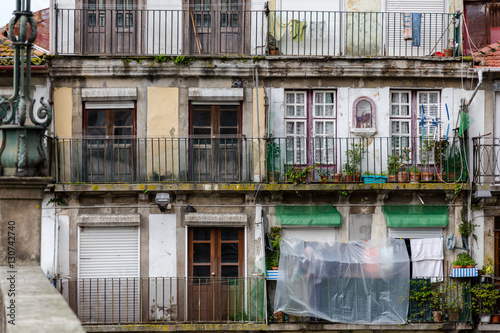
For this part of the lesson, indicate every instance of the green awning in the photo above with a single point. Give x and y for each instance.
(314, 216)
(406, 216)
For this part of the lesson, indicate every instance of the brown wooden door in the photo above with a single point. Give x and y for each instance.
(216, 27)
(110, 27)
(109, 145)
(215, 264)
(215, 149)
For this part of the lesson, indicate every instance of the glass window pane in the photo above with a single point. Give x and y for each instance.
(318, 128)
(102, 20)
(318, 110)
(290, 128)
(197, 20)
(207, 20)
(234, 5)
(433, 98)
(395, 127)
(202, 118)
(96, 132)
(119, 19)
(290, 98)
(201, 253)
(405, 110)
(405, 97)
(201, 271)
(224, 5)
(123, 118)
(229, 271)
(96, 118)
(328, 97)
(197, 5)
(119, 4)
(329, 111)
(206, 4)
(395, 110)
(405, 128)
(129, 19)
(395, 98)
(229, 234)
(229, 253)
(229, 131)
(329, 127)
(301, 128)
(422, 98)
(300, 98)
(223, 20)
(92, 4)
(229, 118)
(123, 131)
(234, 20)
(301, 111)
(318, 98)
(201, 234)
(290, 110)
(129, 4)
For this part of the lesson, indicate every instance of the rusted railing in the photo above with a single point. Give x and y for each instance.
(146, 300)
(486, 161)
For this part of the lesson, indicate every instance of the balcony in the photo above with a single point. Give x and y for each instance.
(255, 33)
(486, 161)
(151, 300)
(295, 160)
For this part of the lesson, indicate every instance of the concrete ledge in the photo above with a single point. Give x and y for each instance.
(211, 187)
(302, 327)
(488, 327)
(109, 220)
(38, 305)
(204, 219)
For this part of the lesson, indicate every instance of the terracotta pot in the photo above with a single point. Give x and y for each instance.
(273, 177)
(403, 177)
(324, 179)
(336, 177)
(353, 178)
(495, 319)
(437, 316)
(427, 176)
(458, 267)
(441, 177)
(392, 178)
(414, 177)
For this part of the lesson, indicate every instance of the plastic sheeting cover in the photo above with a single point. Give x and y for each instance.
(353, 282)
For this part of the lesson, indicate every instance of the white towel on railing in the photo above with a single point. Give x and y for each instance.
(427, 249)
(427, 268)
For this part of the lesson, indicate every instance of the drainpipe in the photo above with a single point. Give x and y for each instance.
(258, 121)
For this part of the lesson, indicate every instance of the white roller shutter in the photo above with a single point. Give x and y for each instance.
(108, 271)
(429, 232)
(434, 34)
(312, 234)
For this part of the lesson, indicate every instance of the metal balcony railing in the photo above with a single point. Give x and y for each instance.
(209, 31)
(241, 159)
(486, 161)
(151, 300)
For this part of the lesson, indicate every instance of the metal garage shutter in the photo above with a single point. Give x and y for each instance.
(430, 232)
(312, 234)
(108, 271)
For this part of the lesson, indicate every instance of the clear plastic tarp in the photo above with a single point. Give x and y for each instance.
(365, 282)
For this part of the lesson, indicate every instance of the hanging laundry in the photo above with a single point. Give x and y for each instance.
(276, 27)
(298, 30)
(415, 29)
(407, 26)
(427, 258)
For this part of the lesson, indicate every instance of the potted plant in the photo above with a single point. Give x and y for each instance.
(273, 253)
(298, 175)
(273, 153)
(414, 174)
(393, 163)
(440, 147)
(353, 163)
(466, 229)
(426, 296)
(405, 158)
(464, 260)
(484, 300)
(454, 164)
(427, 147)
(488, 267)
(323, 173)
(455, 299)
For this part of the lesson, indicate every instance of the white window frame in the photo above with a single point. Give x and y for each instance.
(296, 142)
(400, 119)
(324, 142)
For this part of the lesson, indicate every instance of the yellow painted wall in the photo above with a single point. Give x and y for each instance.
(162, 123)
(258, 132)
(63, 110)
(163, 111)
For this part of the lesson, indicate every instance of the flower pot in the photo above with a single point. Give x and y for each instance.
(414, 177)
(392, 178)
(495, 319)
(485, 319)
(441, 177)
(273, 177)
(437, 316)
(336, 177)
(403, 177)
(274, 50)
(454, 315)
(353, 178)
(448, 53)
(324, 179)
(427, 176)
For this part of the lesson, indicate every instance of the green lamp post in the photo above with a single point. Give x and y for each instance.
(23, 150)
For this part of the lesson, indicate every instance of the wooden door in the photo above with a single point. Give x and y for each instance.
(217, 27)
(215, 147)
(109, 145)
(215, 264)
(110, 27)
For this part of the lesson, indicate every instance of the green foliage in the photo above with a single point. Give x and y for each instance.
(488, 267)
(464, 259)
(273, 153)
(398, 162)
(58, 201)
(162, 58)
(354, 156)
(273, 254)
(182, 60)
(298, 175)
(484, 298)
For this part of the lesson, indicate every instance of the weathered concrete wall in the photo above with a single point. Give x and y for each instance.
(20, 202)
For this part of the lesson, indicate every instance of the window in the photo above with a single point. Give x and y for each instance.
(415, 114)
(310, 115)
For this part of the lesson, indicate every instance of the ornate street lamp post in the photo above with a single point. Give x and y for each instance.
(23, 152)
